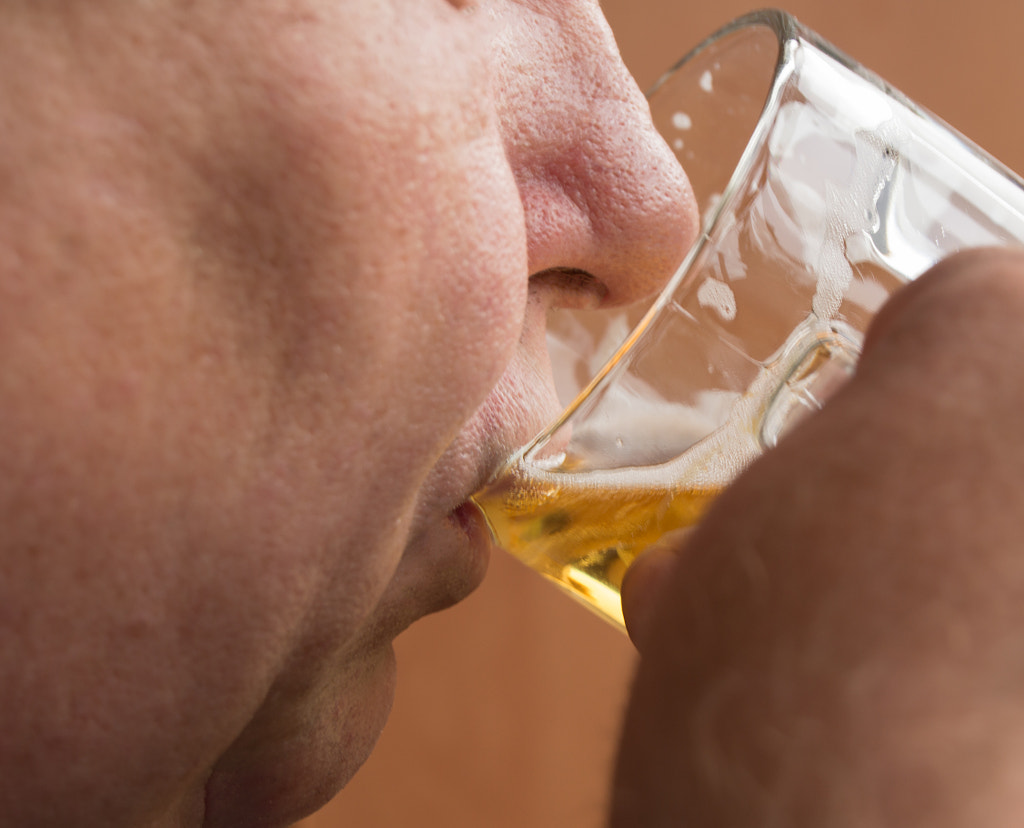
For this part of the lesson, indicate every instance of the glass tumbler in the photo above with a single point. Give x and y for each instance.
(823, 190)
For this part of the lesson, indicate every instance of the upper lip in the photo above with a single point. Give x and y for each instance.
(521, 403)
(469, 484)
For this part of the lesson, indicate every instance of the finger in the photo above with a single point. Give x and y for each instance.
(645, 584)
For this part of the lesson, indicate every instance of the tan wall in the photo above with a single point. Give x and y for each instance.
(507, 707)
(962, 60)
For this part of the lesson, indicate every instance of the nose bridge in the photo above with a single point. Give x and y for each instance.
(602, 192)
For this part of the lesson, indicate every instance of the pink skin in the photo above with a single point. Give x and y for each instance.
(272, 290)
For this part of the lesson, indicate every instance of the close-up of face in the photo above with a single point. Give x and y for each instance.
(273, 283)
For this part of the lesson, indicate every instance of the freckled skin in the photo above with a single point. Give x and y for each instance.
(272, 288)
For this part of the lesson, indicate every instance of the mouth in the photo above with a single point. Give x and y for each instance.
(473, 522)
(470, 520)
(453, 552)
(470, 523)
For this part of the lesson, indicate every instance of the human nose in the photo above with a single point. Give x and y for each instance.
(603, 195)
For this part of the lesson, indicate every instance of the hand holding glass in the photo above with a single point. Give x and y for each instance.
(823, 191)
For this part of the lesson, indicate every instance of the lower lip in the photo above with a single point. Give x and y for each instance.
(471, 523)
(470, 520)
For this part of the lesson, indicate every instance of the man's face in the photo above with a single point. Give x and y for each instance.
(273, 278)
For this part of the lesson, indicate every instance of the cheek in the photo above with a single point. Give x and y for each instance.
(405, 218)
(451, 297)
(462, 229)
(485, 267)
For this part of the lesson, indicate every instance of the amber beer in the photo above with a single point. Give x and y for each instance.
(580, 530)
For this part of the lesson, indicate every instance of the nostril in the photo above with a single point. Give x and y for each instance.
(570, 288)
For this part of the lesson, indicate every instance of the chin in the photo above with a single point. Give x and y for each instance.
(290, 770)
(293, 758)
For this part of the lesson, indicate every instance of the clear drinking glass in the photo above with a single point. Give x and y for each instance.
(823, 190)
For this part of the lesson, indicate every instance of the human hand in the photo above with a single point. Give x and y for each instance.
(837, 643)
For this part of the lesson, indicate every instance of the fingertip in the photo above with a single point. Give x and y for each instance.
(949, 274)
(643, 586)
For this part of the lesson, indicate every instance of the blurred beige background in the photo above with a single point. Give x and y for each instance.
(508, 706)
